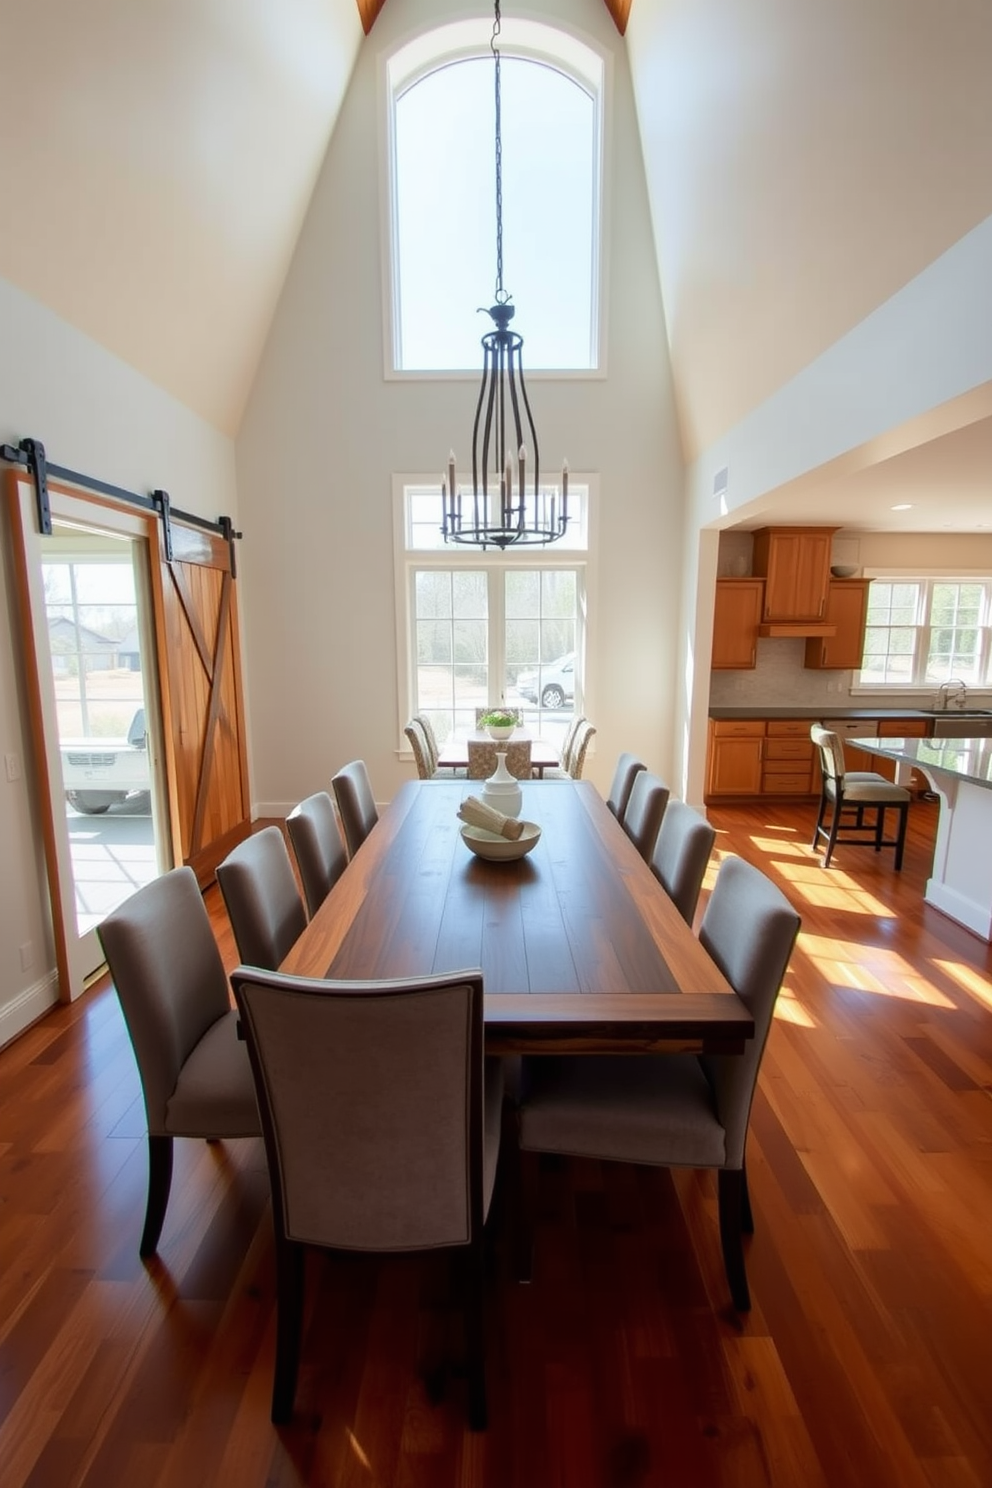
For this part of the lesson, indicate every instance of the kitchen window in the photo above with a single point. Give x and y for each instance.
(922, 631)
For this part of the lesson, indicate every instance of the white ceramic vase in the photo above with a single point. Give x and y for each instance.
(501, 791)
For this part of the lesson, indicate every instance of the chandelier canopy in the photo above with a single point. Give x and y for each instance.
(500, 511)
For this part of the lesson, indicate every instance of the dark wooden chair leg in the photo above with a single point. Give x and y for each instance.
(747, 1217)
(730, 1186)
(819, 820)
(832, 835)
(289, 1323)
(159, 1183)
(475, 1333)
(901, 838)
(879, 827)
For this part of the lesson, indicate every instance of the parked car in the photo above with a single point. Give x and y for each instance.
(98, 773)
(556, 681)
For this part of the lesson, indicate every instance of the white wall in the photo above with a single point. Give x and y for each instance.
(324, 433)
(96, 415)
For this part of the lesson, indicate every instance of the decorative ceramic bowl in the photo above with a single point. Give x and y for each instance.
(844, 570)
(500, 731)
(497, 849)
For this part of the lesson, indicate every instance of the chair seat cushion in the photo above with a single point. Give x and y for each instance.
(872, 792)
(215, 1092)
(644, 1110)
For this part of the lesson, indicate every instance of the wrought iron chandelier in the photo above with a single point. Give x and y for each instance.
(499, 511)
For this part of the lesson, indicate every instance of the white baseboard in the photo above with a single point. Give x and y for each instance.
(28, 1006)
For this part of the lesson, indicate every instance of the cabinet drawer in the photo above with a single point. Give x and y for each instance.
(788, 728)
(903, 728)
(739, 728)
(789, 749)
(786, 782)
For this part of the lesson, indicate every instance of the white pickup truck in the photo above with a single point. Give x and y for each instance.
(97, 773)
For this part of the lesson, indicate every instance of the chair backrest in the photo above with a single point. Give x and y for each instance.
(433, 752)
(580, 747)
(263, 902)
(414, 731)
(644, 812)
(685, 841)
(628, 765)
(482, 758)
(317, 847)
(831, 753)
(405, 1056)
(356, 804)
(170, 979)
(569, 740)
(749, 928)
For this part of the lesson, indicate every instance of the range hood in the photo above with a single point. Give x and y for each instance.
(786, 628)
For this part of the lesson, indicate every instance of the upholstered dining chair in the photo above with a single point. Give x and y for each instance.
(356, 803)
(482, 758)
(316, 842)
(430, 738)
(414, 731)
(170, 979)
(846, 795)
(580, 747)
(561, 770)
(416, 1172)
(676, 1110)
(261, 897)
(628, 765)
(644, 811)
(681, 853)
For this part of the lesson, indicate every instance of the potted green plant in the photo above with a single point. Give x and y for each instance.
(499, 723)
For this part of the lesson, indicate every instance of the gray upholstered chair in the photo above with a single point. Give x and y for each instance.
(414, 731)
(416, 1172)
(317, 847)
(678, 1110)
(581, 740)
(847, 795)
(195, 1075)
(681, 853)
(482, 758)
(262, 899)
(356, 804)
(644, 811)
(628, 765)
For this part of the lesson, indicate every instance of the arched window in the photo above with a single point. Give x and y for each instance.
(442, 195)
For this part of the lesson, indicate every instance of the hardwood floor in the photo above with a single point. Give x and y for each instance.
(865, 1360)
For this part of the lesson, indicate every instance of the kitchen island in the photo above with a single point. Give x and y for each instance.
(960, 771)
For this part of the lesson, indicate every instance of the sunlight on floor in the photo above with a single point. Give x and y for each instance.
(788, 1009)
(871, 969)
(969, 980)
(832, 889)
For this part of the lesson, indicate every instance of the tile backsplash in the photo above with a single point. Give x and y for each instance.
(779, 678)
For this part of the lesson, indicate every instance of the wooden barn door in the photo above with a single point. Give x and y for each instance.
(202, 705)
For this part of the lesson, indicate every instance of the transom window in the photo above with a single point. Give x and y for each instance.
(442, 195)
(927, 630)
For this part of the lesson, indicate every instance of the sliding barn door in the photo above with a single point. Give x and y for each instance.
(200, 664)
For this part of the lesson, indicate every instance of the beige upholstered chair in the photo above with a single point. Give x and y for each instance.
(430, 737)
(580, 747)
(678, 1110)
(562, 772)
(262, 900)
(414, 731)
(317, 847)
(681, 853)
(482, 758)
(628, 765)
(847, 795)
(644, 811)
(355, 803)
(195, 1075)
(416, 1172)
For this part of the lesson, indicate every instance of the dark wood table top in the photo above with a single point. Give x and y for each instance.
(580, 947)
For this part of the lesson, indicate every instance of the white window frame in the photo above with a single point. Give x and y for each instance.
(918, 683)
(534, 40)
(407, 560)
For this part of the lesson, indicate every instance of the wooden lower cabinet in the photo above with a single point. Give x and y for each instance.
(788, 758)
(736, 748)
(775, 756)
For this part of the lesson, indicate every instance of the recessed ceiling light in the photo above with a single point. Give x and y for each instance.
(903, 506)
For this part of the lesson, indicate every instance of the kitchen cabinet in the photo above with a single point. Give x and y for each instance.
(795, 564)
(787, 763)
(736, 747)
(847, 609)
(736, 615)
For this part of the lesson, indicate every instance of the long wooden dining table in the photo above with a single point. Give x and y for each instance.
(580, 948)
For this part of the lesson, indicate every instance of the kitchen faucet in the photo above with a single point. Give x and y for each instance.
(943, 696)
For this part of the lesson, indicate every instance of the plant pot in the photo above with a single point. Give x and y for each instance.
(496, 732)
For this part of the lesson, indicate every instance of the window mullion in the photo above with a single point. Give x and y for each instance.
(497, 635)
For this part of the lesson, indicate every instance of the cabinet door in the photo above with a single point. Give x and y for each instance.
(736, 615)
(795, 563)
(847, 608)
(735, 759)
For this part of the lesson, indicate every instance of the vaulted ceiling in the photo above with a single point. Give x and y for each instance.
(804, 160)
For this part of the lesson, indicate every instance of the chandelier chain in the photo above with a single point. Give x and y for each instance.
(501, 295)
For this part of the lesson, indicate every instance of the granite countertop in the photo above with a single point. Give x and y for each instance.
(754, 710)
(968, 759)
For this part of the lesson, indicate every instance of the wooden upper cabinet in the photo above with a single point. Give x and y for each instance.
(847, 608)
(795, 564)
(736, 615)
